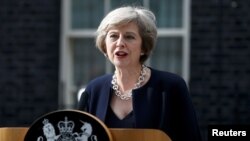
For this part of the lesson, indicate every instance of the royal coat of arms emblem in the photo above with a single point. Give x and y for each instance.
(68, 125)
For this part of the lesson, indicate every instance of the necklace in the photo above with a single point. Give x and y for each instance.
(127, 96)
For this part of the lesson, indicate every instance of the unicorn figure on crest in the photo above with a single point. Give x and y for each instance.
(86, 133)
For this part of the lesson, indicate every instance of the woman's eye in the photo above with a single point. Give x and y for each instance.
(130, 37)
(113, 36)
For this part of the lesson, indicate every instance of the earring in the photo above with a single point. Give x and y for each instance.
(142, 53)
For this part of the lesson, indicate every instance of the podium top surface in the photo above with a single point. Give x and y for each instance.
(74, 125)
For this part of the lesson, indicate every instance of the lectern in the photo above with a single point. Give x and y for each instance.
(74, 125)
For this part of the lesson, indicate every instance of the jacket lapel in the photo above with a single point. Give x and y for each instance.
(103, 103)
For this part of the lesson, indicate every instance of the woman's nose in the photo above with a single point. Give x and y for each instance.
(120, 42)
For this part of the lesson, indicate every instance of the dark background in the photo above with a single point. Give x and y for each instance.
(219, 76)
(29, 59)
(220, 68)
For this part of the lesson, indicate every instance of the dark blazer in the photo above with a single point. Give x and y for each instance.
(162, 103)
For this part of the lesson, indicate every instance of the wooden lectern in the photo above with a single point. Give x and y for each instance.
(18, 134)
(77, 125)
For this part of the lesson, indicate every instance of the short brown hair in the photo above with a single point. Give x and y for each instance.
(145, 20)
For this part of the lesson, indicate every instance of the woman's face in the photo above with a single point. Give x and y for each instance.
(123, 45)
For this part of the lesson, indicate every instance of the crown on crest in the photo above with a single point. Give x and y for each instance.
(66, 126)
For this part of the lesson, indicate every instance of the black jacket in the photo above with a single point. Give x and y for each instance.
(162, 103)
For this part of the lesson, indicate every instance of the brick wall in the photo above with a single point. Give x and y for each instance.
(220, 68)
(29, 52)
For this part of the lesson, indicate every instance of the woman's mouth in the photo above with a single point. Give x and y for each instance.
(121, 54)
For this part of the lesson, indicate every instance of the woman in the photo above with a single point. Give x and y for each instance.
(137, 96)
